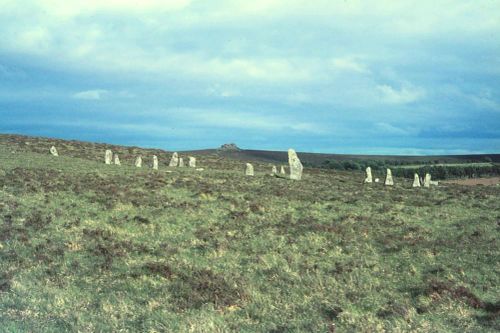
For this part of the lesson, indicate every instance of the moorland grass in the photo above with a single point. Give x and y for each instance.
(99, 248)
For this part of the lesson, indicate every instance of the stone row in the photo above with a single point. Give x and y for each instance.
(389, 181)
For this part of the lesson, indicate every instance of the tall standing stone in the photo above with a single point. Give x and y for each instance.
(108, 157)
(282, 170)
(155, 162)
(181, 162)
(427, 180)
(53, 151)
(274, 170)
(174, 161)
(116, 159)
(388, 179)
(192, 162)
(138, 162)
(368, 178)
(249, 170)
(295, 165)
(416, 181)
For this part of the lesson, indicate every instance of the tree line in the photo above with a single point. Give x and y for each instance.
(438, 171)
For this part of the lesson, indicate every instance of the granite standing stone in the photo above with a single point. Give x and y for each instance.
(249, 170)
(388, 179)
(53, 151)
(427, 180)
(117, 160)
(181, 162)
(108, 157)
(282, 170)
(174, 161)
(295, 165)
(155, 162)
(138, 162)
(192, 162)
(416, 181)
(274, 170)
(368, 178)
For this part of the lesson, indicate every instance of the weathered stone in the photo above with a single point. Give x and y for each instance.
(295, 165)
(199, 169)
(138, 162)
(53, 151)
(117, 159)
(181, 162)
(434, 182)
(192, 162)
(249, 170)
(388, 179)
(368, 178)
(377, 180)
(174, 161)
(274, 170)
(155, 162)
(282, 171)
(108, 157)
(427, 180)
(416, 181)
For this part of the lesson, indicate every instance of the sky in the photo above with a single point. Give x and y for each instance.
(356, 77)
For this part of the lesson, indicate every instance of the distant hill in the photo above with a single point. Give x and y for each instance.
(94, 151)
(317, 159)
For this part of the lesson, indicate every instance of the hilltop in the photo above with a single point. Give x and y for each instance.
(91, 247)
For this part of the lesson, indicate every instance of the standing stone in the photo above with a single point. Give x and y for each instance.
(138, 162)
(155, 162)
(388, 178)
(53, 151)
(274, 170)
(192, 162)
(282, 171)
(368, 178)
(117, 160)
(174, 161)
(249, 170)
(295, 165)
(416, 181)
(427, 180)
(181, 162)
(108, 157)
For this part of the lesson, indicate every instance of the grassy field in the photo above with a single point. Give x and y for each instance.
(90, 247)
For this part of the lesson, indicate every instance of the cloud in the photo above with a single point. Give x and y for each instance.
(349, 64)
(90, 94)
(390, 129)
(406, 94)
(248, 120)
(315, 68)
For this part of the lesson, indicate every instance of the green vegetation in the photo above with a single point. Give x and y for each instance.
(407, 169)
(100, 248)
